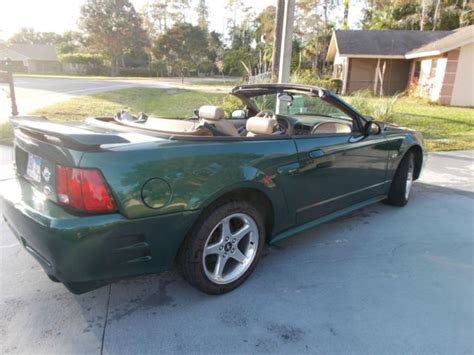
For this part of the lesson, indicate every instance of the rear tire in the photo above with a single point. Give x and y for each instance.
(52, 278)
(224, 247)
(402, 182)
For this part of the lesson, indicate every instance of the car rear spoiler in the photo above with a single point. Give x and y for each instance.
(69, 136)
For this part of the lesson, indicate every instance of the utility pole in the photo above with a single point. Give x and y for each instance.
(286, 42)
(7, 77)
(280, 10)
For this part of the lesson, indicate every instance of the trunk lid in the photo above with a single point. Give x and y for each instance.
(41, 145)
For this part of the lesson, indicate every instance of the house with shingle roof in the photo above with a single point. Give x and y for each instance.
(433, 64)
(33, 58)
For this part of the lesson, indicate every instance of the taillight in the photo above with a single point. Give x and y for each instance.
(83, 189)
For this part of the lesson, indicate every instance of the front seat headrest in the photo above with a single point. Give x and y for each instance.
(212, 113)
(261, 125)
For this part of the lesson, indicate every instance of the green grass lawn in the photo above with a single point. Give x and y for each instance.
(444, 128)
(88, 77)
(169, 103)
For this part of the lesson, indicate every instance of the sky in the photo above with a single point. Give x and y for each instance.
(61, 15)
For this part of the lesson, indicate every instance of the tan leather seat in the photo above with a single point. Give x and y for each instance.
(214, 115)
(332, 128)
(260, 125)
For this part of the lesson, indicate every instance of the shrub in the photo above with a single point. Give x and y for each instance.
(233, 60)
(360, 100)
(380, 108)
(383, 108)
(83, 58)
(84, 63)
(229, 103)
(307, 77)
(6, 133)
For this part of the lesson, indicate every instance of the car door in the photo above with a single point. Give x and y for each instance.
(337, 171)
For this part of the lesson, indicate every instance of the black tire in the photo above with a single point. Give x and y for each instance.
(398, 195)
(190, 257)
(52, 278)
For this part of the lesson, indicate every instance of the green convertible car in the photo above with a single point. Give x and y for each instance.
(119, 196)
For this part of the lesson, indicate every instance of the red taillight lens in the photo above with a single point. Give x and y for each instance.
(83, 189)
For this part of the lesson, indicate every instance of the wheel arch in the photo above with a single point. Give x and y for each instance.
(254, 195)
(418, 157)
(258, 197)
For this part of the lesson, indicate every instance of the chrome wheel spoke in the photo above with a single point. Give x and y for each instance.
(409, 182)
(225, 228)
(242, 232)
(239, 256)
(213, 249)
(219, 267)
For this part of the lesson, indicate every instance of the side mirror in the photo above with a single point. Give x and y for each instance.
(372, 128)
(238, 114)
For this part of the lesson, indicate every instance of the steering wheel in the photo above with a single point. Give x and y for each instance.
(266, 114)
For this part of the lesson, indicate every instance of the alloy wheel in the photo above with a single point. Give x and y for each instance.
(230, 248)
(409, 182)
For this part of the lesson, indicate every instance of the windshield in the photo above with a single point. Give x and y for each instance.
(297, 105)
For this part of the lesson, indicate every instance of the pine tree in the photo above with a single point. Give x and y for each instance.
(178, 10)
(202, 14)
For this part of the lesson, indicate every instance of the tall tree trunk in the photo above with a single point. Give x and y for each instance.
(463, 18)
(325, 36)
(345, 22)
(436, 14)
(113, 65)
(424, 7)
(165, 17)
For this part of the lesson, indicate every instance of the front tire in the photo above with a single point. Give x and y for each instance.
(224, 248)
(402, 182)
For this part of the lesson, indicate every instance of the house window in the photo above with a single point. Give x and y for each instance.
(434, 64)
(416, 72)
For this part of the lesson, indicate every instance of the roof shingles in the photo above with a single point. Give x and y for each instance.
(29, 51)
(383, 42)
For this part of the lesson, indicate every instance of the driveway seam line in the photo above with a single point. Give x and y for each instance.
(106, 320)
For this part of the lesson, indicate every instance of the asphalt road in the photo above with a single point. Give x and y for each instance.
(382, 280)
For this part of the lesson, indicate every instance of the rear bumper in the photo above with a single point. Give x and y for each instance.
(87, 252)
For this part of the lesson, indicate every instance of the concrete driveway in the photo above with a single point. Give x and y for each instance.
(382, 280)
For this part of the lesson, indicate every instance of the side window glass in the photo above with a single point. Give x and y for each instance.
(308, 105)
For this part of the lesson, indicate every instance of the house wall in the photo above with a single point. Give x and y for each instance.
(463, 89)
(43, 66)
(17, 66)
(448, 79)
(430, 83)
(361, 74)
(339, 66)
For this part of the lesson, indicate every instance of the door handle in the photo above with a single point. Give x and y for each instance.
(288, 169)
(318, 153)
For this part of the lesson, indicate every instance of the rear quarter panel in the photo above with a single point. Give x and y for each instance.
(198, 172)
